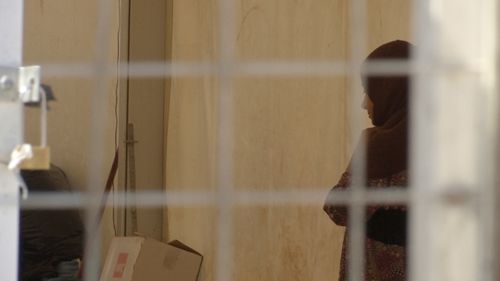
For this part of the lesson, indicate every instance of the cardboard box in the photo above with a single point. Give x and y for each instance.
(146, 259)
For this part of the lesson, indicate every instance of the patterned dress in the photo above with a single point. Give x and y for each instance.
(384, 262)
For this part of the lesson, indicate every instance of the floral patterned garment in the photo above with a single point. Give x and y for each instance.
(384, 262)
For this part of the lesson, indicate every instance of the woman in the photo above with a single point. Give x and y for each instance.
(386, 148)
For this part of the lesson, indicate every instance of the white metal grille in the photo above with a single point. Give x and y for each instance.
(453, 138)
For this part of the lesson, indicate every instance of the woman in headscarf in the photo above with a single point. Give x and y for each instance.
(386, 150)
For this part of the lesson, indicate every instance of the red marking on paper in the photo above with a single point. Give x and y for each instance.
(121, 262)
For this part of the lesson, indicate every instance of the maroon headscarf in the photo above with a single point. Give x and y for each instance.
(387, 142)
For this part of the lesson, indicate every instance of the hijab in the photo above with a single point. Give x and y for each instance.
(387, 142)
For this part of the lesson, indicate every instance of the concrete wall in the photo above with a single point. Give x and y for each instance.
(289, 132)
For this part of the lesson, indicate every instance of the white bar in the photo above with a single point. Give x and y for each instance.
(224, 262)
(356, 227)
(247, 68)
(11, 32)
(9, 219)
(95, 172)
(453, 133)
(11, 27)
(55, 200)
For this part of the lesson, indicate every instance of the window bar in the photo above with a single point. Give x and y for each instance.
(225, 62)
(11, 132)
(488, 128)
(356, 227)
(54, 200)
(420, 140)
(247, 68)
(92, 255)
(452, 139)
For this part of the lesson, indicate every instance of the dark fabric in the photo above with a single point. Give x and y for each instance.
(388, 226)
(387, 142)
(383, 260)
(388, 92)
(48, 236)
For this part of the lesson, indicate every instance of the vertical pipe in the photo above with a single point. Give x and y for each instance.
(169, 27)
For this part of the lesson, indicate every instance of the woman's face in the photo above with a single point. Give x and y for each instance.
(368, 105)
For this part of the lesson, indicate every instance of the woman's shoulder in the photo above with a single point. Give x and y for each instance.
(345, 179)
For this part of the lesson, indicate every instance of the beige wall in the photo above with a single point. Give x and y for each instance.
(389, 20)
(61, 31)
(289, 132)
